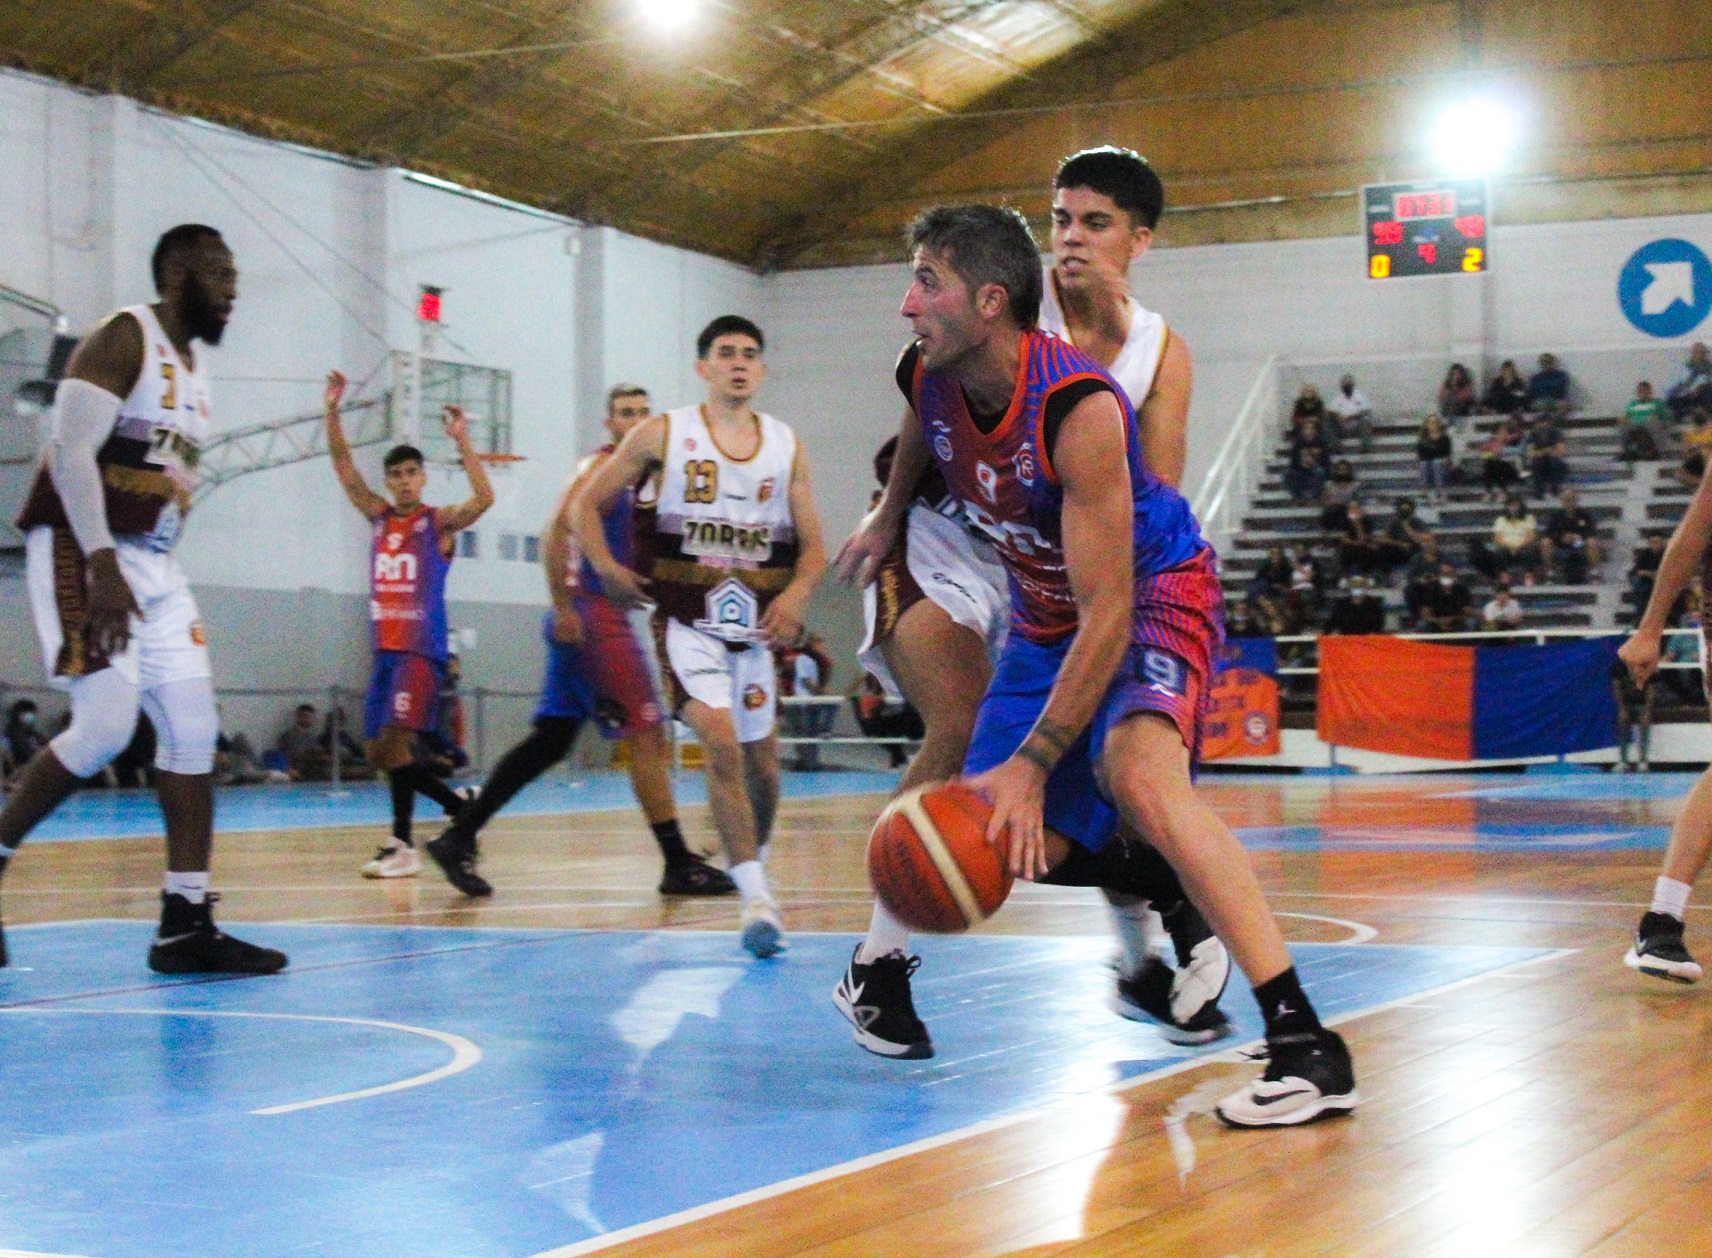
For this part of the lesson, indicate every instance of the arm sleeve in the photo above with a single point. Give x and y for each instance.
(82, 419)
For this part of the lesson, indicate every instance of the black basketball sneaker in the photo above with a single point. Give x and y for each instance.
(696, 877)
(457, 860)
(1183, 1002)
(876, 1000)
(1660, 952)
(1307, 1077)
(190, 943)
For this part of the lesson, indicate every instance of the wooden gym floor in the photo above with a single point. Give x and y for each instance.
(1547, 1102)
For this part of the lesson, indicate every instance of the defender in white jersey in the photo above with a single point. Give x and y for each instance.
(117, 621)
(927, 602)
(729, 551)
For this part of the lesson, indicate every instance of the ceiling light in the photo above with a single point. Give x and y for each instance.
(669, 15)
(1474, 136)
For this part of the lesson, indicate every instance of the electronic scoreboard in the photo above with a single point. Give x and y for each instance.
(1434, 228)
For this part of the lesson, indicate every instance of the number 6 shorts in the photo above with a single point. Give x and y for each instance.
(737, 678)
(1174, 632)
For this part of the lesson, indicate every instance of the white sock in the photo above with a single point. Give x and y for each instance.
(1129, 920)
(762, 850)
(886, 934)
(1671, 896)
(751, 881)
(193, 887)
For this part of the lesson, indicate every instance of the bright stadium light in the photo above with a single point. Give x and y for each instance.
(1474, 136)
(669, 15)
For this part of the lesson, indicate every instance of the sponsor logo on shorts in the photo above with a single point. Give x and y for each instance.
(754, 698)
(1165, 673)
(198, 633)
(941, 579)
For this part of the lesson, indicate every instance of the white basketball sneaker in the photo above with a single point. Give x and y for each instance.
(763, 930)
(395, 860)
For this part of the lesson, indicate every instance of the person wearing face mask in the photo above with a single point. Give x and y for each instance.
(1352, 412)
(1441, 606)
(1515, 542)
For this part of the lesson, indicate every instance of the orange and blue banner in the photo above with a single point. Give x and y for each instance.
(1467, 703)
(1242, 707)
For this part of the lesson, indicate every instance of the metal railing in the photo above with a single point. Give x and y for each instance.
(1240, 464)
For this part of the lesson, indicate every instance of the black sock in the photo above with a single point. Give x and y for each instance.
(671, 841)
(1123, 864)
(403, 801)
(1286, 1007)
(436, 790)
(546, 745)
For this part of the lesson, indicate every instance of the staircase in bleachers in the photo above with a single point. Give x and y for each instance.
(1629, 501)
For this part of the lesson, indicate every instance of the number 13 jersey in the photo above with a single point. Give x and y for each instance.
(724, 543)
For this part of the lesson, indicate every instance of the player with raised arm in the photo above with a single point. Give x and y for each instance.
(938, 607)
(1659, 949)
(118, 624)
(411, 552)
(597, 668)
(729, 556)
(1095, 705)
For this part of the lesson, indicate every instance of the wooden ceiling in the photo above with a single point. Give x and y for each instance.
(803, 133)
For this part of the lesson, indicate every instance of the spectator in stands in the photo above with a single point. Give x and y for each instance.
(1336, 494)
(1273, 575)
(1646, 434)
(1497, 467)
(352, 761)
(1406, 542)
(879, 716)
(1547, 467)
(806, 671)
(1508, 392)
(1692, 386)
(1572, 539)
(1684, 648)
(1308, 406)
(1360, 612)
(1300, 603)
(1695, 442)
(1309, 460)
(1358, 549)
(1432, 448)
(236, 763)
(24, 736)
(1643, 571)
(1240, 622)
(305, 757)
(1548, 389)
(1351, 412)
(1456, 394)
(1502, 611)
(1515, 544)
(1442, 605)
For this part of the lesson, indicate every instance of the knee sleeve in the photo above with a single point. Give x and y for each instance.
(186, 725)
(103, 718)
(551, 739)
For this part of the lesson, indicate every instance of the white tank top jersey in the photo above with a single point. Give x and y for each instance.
(1137, 363)
(170, 407)
(725, 542)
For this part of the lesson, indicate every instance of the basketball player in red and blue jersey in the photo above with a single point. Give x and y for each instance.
(1095, 706)
(597, 669)
(411, 552)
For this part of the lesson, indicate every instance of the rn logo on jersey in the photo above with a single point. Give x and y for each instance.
(733, 612)
(1023, 461)
(400, 567)
(988, 479)
(1665, 288)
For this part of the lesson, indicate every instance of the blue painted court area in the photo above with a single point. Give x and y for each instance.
(564, 1084)
(311, 806)
(1497, 837)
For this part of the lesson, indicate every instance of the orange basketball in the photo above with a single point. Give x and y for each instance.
(930, 863)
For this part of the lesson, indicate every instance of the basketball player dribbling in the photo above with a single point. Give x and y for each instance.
(1659, 949)
(411, 551)
(941, 589)
(118, 624)
(1094, 709)
(731, 552)
(597, 669)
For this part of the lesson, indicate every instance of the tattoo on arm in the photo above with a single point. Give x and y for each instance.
(1045, 745)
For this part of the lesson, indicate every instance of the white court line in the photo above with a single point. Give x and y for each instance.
(1359, 932)
(30, 1253)
(1471, 899)
(1236, 1054)
(464, 1053)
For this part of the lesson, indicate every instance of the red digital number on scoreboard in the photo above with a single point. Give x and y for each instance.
(1429, 253)
(1388, 233)
(1425, 204)
(1472, 226)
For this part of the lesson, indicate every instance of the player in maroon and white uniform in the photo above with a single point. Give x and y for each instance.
(118, 624)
